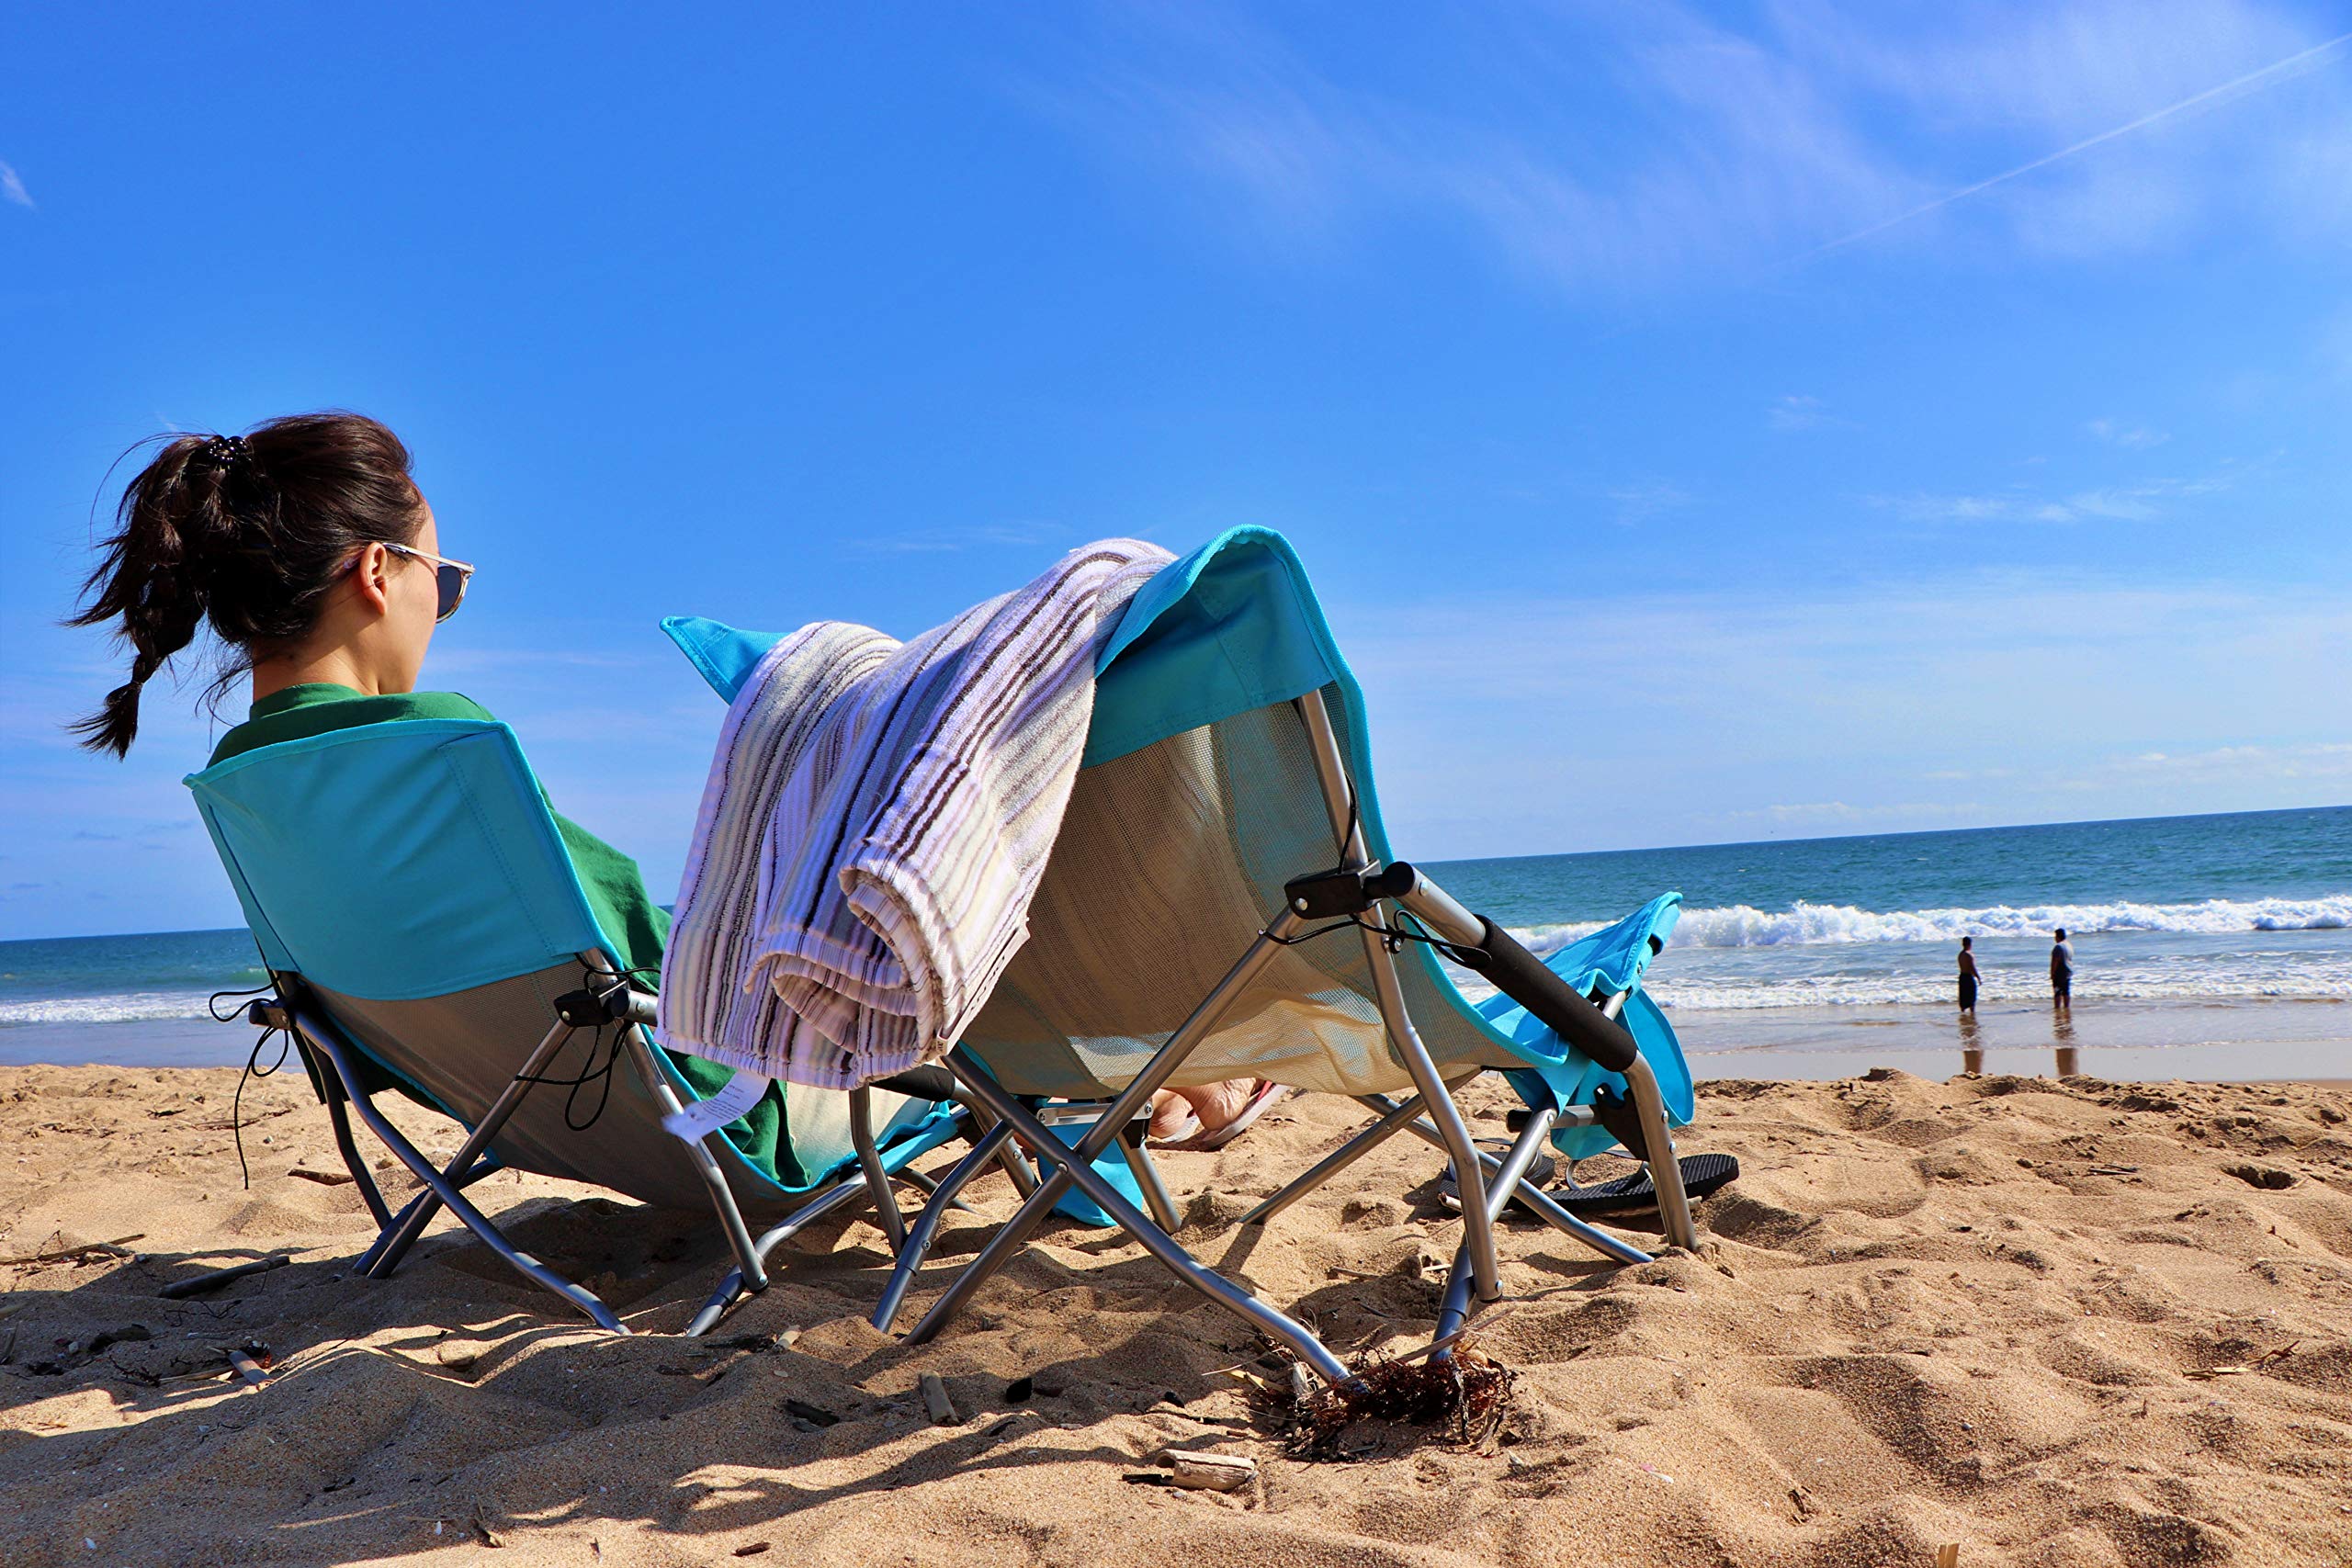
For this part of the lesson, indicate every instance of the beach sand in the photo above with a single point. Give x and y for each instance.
(2052, 1322)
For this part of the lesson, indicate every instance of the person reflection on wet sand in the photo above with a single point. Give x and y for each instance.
(1972, 1044)
(2069, 1061)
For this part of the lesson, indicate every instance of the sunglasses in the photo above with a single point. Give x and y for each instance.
(449, 577)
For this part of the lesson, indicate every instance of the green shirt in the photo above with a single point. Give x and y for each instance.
(625, 911)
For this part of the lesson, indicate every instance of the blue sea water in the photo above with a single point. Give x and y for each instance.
(1782, 944)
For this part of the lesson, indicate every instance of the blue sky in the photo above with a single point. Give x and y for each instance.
(1703, 422)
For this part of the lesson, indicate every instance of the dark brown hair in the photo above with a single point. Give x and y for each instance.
(247, 532)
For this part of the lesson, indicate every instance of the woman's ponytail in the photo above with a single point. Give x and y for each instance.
(245, 532)
(144, 578)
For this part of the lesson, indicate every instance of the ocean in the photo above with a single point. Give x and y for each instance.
(2216, 946)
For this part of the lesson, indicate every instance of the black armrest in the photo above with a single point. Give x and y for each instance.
(1522, 977)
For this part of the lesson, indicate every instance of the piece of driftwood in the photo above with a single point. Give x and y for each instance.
(323, 1177)
(1210, 1472)
(196, 1284)
(66, 1254)
(935, 1400)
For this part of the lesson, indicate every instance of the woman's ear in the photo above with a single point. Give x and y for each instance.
(372, 579)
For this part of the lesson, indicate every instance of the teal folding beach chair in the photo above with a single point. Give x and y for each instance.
(1222, 902)
(425, 933)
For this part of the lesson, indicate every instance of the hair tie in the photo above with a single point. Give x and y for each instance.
(226, 450)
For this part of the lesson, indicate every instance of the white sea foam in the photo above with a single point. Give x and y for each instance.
(2219, 984)
(131, 1007)
(1742, 925)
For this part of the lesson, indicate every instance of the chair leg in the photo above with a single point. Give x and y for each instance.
(1024, 1179)
(869, 1161)
(1347, 822)
(1494, 1199)
(928, 1188)
(1138, 1094)
(705, 1164)
(1478, 1230)
(1392, 1121)
(339, 1118)
(1532, 1198)
(926, 1226)
(733, 1288)
(445, 1191)
(1666, 1169)
(419, 1215)
(1132, 1148)
(402, 1230)
(1072, 1167)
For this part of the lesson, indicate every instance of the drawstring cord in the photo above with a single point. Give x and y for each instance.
(254, 1069)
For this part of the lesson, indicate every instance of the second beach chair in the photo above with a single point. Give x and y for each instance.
(1223, 901)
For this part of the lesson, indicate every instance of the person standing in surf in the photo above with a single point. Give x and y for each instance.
(1967, 974)
(2062, 972)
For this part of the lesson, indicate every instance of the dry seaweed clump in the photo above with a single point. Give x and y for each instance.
(1461, 1387)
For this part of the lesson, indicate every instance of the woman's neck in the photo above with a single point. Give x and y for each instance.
(337, 667)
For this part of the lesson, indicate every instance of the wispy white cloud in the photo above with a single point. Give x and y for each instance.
(1796, 412)
(1622, 150)
(2137, 501)
(12, 186)
(2132, 438)
(2328, 761)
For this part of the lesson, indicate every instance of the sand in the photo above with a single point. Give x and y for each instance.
(2051, 1323)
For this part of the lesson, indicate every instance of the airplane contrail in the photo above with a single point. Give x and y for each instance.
(2249, 79)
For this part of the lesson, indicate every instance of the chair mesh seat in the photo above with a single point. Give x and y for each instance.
(1169, 863)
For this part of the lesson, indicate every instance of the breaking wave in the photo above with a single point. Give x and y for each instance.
(132, 1007)
(1741, 925)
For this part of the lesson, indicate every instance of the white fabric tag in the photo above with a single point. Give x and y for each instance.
(698, 1120)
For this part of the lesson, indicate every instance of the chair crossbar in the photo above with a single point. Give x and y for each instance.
(444, 1190)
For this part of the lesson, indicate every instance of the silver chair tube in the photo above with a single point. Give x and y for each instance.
(732, 1287)
(869, 1161)
(1138, 1094)
(1665, 1168)
(927, 1223)
(1072, 1165)
(417, 1215)
(635, 1008)
(705, 1164)
(1338, 1160)
(1438, 910)
(1532, 1198)
(321, 1036)
(1339, 799)
(1155, 1191)
(1494, 1199)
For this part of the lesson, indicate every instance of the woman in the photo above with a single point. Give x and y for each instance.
(309, 552)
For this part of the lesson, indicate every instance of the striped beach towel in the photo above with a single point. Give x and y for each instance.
(876, 818)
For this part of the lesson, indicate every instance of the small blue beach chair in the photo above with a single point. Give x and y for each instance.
(425, 933)
(1225, 806)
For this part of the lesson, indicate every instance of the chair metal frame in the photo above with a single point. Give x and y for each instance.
(1475, 1276)
(334, 1059)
